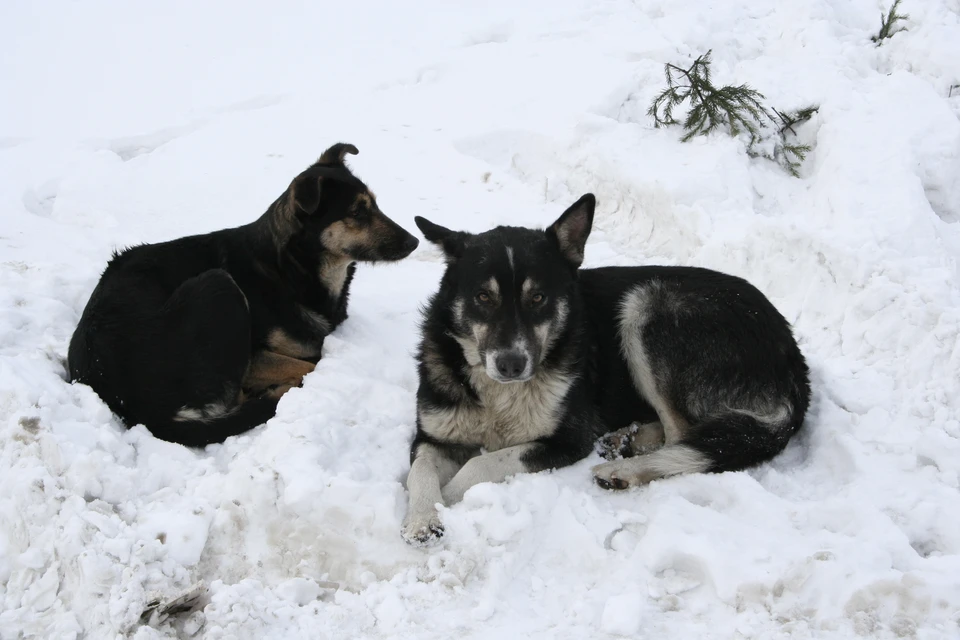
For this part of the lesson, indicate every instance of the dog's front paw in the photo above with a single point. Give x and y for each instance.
(422, 531)
(612, 475)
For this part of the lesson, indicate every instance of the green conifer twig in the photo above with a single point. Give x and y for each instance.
(737, 109)
(888, 23)
(789, 155)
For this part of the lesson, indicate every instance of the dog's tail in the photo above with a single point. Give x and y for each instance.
(735, 441)
(199, 433)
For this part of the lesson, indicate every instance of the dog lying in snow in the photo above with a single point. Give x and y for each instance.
(199, 337)
(526, 360)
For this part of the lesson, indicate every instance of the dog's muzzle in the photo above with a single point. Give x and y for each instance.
(509, 366)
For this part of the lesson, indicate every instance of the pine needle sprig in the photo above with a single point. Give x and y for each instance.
(739, 108)
(789, 119)
(735, 109)
(787, 154)
(888, 24)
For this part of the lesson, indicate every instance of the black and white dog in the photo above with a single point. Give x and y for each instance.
(197, 338)
(526, 360)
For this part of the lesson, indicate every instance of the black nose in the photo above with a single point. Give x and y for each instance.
(511, 364)
(410, 244)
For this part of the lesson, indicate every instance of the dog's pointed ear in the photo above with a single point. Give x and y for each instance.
(452, 242)
(336, 153)
(572, 229)
(305, 188)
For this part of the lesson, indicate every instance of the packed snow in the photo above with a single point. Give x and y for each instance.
(131, 122)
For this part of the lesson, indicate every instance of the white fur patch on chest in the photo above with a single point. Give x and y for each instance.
(333, 275)
(507, 414)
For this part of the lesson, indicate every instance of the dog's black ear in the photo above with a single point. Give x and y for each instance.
(572, 229)
(336, 153)
(452, 242)
(305, 188)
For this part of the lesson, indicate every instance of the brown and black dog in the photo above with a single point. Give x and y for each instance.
(197, 338)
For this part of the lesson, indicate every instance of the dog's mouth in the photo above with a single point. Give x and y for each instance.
(502, 380)
(391, 252)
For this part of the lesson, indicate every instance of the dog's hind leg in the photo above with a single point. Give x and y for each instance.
(639, 309)
(668, 461)
(199, 362)
(274, 373)
(637, 439)
(206, 326)
(730, 442)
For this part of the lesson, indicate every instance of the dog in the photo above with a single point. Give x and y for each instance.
(526, 360)
(197, 338)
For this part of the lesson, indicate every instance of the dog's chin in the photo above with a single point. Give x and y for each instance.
(392, 252)
(373, 258)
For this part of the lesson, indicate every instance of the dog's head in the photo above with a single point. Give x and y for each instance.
(509, 289)
(331, 208)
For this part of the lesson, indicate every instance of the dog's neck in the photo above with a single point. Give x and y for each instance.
(318, 280)
(333, 272)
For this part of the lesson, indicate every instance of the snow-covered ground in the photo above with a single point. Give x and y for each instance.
(129, 122)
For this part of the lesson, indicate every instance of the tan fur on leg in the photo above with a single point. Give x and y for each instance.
(269, 370)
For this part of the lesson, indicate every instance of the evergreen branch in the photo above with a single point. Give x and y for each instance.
(792, 118)
(888, 23)
(734, 109)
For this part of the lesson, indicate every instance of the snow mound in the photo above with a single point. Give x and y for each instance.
(128, 123)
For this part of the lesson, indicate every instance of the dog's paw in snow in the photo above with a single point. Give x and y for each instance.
(611, 475)
(662, 463)
(626, 473)
(422, 531)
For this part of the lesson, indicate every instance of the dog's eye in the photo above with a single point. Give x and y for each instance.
(537, 298)
(483, 297)
(354, 213)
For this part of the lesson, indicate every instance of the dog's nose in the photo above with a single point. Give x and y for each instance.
(511, 364)
(410, 244)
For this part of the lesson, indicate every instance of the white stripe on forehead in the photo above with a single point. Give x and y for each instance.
(510, 256)
(528, 286)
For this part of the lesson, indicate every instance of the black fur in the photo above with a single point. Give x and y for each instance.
(179, 325)
(717, 347)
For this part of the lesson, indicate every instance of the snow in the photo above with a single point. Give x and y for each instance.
(124, 123)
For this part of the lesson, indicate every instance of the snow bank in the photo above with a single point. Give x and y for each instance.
(123, 124)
